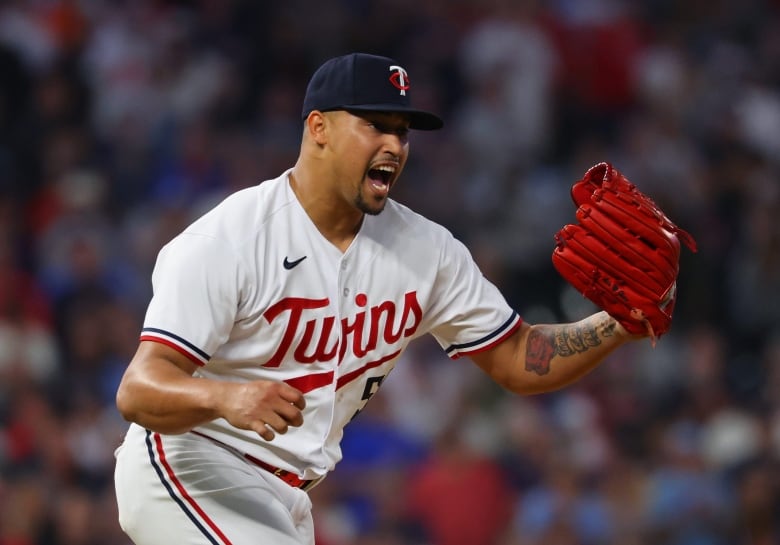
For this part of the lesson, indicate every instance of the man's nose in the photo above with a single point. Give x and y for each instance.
(395, 143)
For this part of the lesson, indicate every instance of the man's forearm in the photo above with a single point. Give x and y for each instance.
(165, 399)
(557, 355)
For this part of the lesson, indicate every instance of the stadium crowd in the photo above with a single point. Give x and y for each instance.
(123, 120)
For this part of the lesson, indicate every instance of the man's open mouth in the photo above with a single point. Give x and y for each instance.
(382, 174)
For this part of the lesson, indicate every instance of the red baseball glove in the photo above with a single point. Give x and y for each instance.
(624, 253)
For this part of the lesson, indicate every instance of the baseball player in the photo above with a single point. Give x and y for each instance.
(277, 315)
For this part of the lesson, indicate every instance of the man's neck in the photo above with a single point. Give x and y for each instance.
(339, 224)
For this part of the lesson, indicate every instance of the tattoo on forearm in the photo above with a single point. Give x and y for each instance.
(577, 339)
(543, 346)
(539, 350)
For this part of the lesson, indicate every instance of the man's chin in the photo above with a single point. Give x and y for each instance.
(372, 209)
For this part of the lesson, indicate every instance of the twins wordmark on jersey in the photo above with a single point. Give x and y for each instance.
(323, 340)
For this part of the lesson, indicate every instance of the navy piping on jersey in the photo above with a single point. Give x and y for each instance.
(189, 345)
(485, 339)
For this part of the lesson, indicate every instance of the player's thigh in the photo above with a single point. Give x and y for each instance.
(172, 492)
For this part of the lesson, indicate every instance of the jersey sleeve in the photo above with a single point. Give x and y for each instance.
(196, 296)
(469, 313)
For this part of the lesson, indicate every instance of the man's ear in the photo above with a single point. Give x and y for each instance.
(316, 124)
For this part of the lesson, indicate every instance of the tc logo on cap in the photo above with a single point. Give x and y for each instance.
(399, 79)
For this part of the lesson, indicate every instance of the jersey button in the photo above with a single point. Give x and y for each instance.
(346, 292)
(343, 265)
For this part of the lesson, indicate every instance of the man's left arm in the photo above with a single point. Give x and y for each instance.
(545, 357)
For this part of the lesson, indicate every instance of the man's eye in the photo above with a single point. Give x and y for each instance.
(384, 129)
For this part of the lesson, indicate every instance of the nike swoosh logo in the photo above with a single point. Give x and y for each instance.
(291, 264)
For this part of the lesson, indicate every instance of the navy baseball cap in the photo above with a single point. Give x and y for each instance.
(365, 83)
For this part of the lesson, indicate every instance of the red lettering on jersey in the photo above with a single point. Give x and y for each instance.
(388, 309)
(321, 353)
(296, 306)
(318, 332)
(411, 306)
(355, 329)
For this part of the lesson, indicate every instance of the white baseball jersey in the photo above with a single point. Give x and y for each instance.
(252, 290)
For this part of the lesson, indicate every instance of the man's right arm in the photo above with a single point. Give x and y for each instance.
(159, 393)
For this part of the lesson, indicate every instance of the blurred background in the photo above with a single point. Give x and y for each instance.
(122, 121)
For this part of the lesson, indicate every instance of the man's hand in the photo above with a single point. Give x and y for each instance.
(263, 406)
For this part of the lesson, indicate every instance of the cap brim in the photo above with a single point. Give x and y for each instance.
(418, 119)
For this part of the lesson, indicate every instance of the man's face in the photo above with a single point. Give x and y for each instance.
(370, 150)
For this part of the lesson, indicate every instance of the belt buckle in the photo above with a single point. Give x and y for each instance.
(279, 472)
